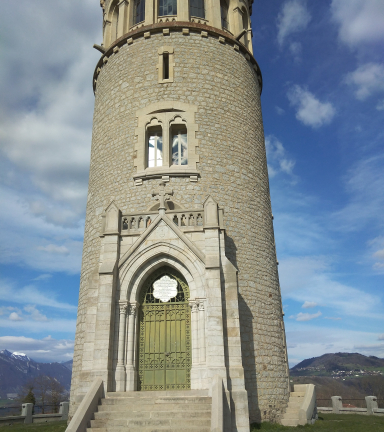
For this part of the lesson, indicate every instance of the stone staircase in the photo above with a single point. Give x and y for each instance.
(156, 411)
(291, 416)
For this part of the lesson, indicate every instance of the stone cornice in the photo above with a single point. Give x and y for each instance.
(177, 26)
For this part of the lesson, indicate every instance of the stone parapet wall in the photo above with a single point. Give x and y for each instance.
(224, 85)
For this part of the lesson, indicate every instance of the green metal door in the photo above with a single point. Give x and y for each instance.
(165, 335)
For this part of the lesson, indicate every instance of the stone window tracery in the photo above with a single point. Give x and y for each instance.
(166, 144)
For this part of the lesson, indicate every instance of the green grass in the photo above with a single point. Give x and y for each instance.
(56, 426)
(331, 423)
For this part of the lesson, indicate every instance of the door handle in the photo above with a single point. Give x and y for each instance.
(167, 353)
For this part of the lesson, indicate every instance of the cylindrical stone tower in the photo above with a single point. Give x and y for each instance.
(179, 195)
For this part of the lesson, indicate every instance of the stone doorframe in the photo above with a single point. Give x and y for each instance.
(133, 276)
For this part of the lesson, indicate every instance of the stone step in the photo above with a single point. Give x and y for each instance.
(298, 394)
(292, 409)
(148, 422)
(111, 413)
(297, 401)
(157, 400)
(162, 393)
(290, 422)
(291, 415)
(165, 414)
(294, 405)
(151, 429)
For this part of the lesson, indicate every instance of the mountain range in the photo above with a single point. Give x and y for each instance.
(334, 364)
(17, 369)
(346, 374)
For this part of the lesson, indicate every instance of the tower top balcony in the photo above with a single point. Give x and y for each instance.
(123, 16)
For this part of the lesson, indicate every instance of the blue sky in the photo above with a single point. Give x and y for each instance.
(323, 107)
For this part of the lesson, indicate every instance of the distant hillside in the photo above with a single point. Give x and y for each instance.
(16, 369)
(349, 375)
(68, 364)
(331, 364)
(349, 389)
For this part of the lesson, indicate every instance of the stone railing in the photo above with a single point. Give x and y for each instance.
(186, 220)
(27, 416)
(338, 407)
(88, 406)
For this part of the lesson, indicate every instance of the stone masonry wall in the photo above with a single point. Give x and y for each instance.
(233, 170)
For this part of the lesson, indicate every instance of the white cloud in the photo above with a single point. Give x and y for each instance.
(360, 21)
(62, 250)
(368, 349)
(379, 258)
(35, 314)
(293, 17)
(310, 110)
(31, 326)
(380, 105)
(279, 110)
(278, 160)
(47, 349)
(381, 337)
(31, 295)
(42, 277)
(46, 107)
(23, 233)
(308, 305)
(379, 254)
(364, 184)
(318, 340)
(367, 79)
(306, 316)
(300, 276)
(295, 49)
(15, 317)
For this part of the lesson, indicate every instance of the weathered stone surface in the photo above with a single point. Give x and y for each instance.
(232, 170)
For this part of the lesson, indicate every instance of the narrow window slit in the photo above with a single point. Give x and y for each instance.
(165, 66)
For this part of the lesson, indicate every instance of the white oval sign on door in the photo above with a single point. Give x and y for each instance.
(165, 288)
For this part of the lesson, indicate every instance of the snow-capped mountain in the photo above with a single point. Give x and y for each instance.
(20, 356)
(16, 369)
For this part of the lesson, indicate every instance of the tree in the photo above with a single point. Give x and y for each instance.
(30, 397)
(26, 394)
(57, 392)
(42, 386)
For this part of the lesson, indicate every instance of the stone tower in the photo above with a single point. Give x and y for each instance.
(179, 280)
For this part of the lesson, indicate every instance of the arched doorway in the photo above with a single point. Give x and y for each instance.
(165, 332)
